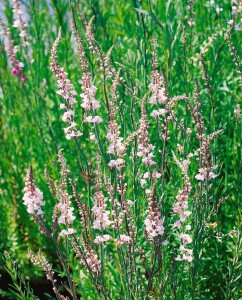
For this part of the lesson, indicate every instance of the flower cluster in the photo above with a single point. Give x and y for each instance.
(91, 260)
(154, 223)
(181, 208)
(20, 22)
(89, 103)
(145, 149)
(116, 143)
(12, 51)
(159, 95)
(102, 216)
(16, 64)
(66, 91)
(66, 216)
(236, 10)
(116, 163)
(66, 212)
(158, 92)
(67, 232)
(206, 173)
(102, 220)
(186, 253)
(120, 212)
(33, 197)
(116, 146)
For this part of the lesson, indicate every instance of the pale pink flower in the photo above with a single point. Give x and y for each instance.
(188, 227)
(186, 238)
(102, 221)
(116, 163)
(154, 226)
(92, 137)
(124, 239)
(200, 177)
(101, 239)
(189, 131)
(129, 202)
(177, 224)
(153, 87)
(16, 23)
(143, 182)
(212, 175)
(94, 120)
(67, 232)
(67, 116)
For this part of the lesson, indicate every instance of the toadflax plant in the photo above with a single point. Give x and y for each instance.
(108, 235)
(135, 199)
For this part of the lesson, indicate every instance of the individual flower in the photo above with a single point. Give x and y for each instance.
(66, 232)
(124, 239)
(101, 239)
(157, 113)
(116, 163)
